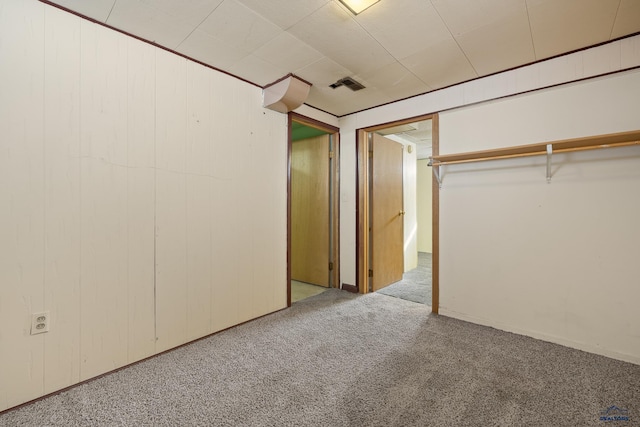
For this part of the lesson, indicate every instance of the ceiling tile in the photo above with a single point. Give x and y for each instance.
(257, 70)
(441, 64)
(403, 26)
(504, 44)
(395, 80)
(284, 13)
(322, 99)
(210, 50)
(332, 31)
(463, 16)
(323, 73)
(96, 9)
(424, 131)
(165, 22)
(239, 27)
(560, 26)
(397, 48)
(627, 19)
(286, 51)
(342, 100)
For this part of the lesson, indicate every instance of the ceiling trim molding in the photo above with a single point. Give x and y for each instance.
(597, 76)
(330, 113)
(57, 6)
(286, 77)
(95, 21)
(507, 70)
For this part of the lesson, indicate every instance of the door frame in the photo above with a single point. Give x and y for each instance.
(334, 203)
(363, 198)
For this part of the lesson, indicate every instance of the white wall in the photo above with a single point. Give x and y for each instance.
(348, 201)
(555, 261)
(316, 114)
(424, 210)
(129, 180)
(600, 105)
(409, 186)
(609, 58)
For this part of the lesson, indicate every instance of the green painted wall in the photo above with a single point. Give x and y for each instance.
(300, 131)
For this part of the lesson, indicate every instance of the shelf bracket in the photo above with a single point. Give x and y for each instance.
(436, 172)
(549, 153)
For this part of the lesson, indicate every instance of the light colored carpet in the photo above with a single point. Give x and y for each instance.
(341, 359)
(301, 290)
(415, 284)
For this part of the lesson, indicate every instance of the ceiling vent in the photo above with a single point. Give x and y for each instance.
(348, 82)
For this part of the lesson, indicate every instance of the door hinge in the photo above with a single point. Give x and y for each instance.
(371, 154)
(370, 273)
(330, 266)
(331, 154)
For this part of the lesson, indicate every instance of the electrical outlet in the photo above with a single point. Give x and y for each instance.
(40, 323)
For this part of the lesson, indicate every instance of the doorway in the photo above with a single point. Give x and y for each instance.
(313, 241)
(418, 212)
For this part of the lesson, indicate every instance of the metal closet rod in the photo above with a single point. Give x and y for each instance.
(611, 140)
(536, 153)
(621, 139)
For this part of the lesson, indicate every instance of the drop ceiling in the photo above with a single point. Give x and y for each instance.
(418, 133)
(396, 48)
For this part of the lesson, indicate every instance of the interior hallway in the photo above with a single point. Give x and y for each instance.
(301, 290)
(415, 284)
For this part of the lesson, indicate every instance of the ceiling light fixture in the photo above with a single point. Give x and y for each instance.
(357, 6)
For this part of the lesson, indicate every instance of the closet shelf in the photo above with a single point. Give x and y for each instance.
(544, 148)
(566, 145)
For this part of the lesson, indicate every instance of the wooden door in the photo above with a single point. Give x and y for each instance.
(387, 214)
(310, 207)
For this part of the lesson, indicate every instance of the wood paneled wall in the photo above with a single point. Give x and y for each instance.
(143, 200)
